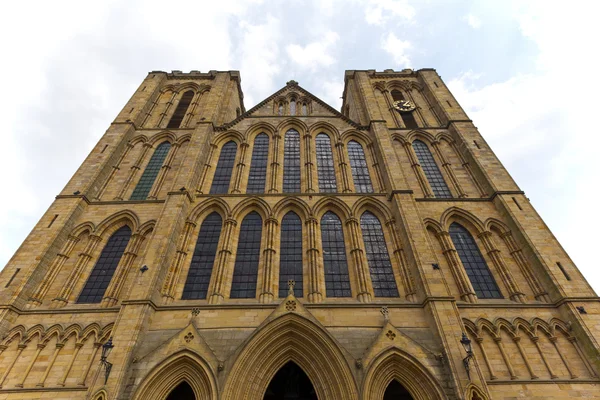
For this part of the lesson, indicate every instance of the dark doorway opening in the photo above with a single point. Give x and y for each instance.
(395, 391)
(290, 383)
(183, 391)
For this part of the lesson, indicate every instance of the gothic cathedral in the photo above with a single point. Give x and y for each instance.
(203, 251)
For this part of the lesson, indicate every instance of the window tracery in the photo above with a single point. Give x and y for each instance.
(335, 264)
(222, 177)
(291, 162)
(378, 258)
(245, 270)
(290, 262)
(431, 170)
(146, 182)
(325, 164)
(360, 170)
(257, 177)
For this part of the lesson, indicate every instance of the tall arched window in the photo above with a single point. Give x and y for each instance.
(181, 109)
(105, 267)
(325, 168)
(280, 109)
(245, 271)
(408, 117)
(293, 107)
(337, 280)
(304, 109)
(360, 170)
(290, 261)
(220, 183)
(378, 258)
(196, 284)
(151, 172)
(477, 270)
(258, 167)
(291, 162)
(431, 170)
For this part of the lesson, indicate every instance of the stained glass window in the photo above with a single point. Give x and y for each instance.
(477, 270)
(181, 109)
(105, 267)
(198, 279)
(290, 261)
(360, 170)
(144, 186)
(220, 183)
(378, 258)
(258, 167)
(291, 162)
(431, 170)
(325, 165)
(337, 280)
(245, 270)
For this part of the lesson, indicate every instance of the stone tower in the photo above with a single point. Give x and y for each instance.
(294, 251)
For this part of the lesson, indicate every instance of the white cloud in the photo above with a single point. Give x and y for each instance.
(397, 48)
(331, 92)
(378, 12)
(473, 21)
(316, 54)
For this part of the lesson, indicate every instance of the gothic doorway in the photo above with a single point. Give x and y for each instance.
(290, 383)
(183, 391)
(395, 391)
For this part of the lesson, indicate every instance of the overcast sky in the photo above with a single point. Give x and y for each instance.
(526, 72)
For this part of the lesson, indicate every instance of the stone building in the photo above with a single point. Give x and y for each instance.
(292, 251)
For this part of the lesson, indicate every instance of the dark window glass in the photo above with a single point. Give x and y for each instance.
(477, 270)
(293, 107)
(432, 172)
(151, 172)
(304, 109)
(181, 109)
(325, 168)
(220, 183)
(291, 162)
(378, 258)
(105, 267)
(408, 118)
(257, 177)
(245, 271)
(337, 280)
(290, 261)
(358, 165)
(196, 285)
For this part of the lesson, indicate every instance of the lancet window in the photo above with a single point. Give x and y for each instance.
(378, 258)
(181, 109)
(105, 267)
(258, 168)
(203, 258)
(290, 263)
(245, 270)
(293, 107)
(325, 164)
(337, 279)
(220, 183)
(360, 170)
(144, 186)
(291, 162)
(431, 170)
(477, 270)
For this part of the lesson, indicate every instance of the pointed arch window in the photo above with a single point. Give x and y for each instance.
(291, 162)
(182, 107)
(431, 170)
(477, 270)
(325, 165)
(408, 118)
(257, 177)
(378, 258)
(245, 270)
(360, 170)
(335, 263)
(293, 107)
(105, 267)
(290, 261)
(196, 284)
(143, 187)
(280, 109)
(304, 109)
(220, 183)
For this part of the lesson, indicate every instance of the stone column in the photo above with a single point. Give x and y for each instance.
(40, 347)
(220, 272)
(97, 346)
(514, 292)
(536, 342)
(50, 364)
(365, 288)
(167, 107)
(315, 275)
(553, 340)
(191, 110)
(407, 280)
(133, 171)
(150, 111)
(20, 349)
(115, 168)
(479, 341)
(467, 166)
(378, 176)
(207, 167)
(241, 165)
(168, 290)
(269, 253)
(448, 169)
(308, 163)
(414, 163)
(162, 174)
(467, 293)
(517, 341)
(505, 357)
(346, 187)
(275, 164)
(63, 380)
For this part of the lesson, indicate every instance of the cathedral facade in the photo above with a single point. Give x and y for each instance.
(292, 251)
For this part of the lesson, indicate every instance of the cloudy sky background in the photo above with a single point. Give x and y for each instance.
(525, 71)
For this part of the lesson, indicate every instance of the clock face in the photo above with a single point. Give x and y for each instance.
(404, 106)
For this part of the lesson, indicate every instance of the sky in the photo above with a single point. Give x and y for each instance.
(524, 71)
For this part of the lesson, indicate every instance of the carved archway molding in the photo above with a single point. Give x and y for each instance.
(290, 337)
(182, 366)
(395, 364)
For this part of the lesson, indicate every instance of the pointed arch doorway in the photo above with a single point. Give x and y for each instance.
(290, 383)
(395, 391)
(183, 391)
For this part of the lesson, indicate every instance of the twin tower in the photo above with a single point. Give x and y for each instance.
(292, 251)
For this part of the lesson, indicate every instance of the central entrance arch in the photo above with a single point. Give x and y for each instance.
(395, 391)
(183, 391)
(290, 382)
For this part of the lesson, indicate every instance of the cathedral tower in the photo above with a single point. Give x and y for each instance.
(206, 251)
